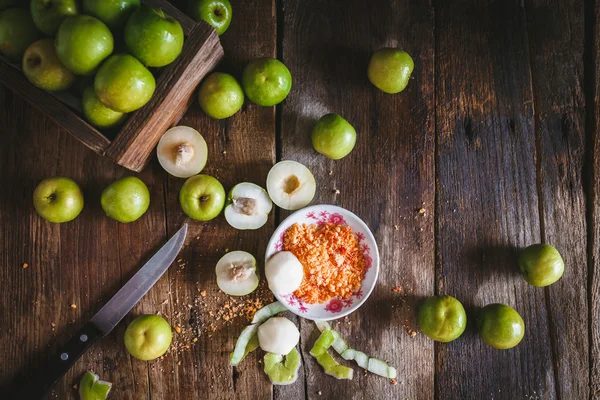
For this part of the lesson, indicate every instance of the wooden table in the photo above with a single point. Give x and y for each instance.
(495, 139)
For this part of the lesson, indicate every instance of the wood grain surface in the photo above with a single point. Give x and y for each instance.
(493, 146)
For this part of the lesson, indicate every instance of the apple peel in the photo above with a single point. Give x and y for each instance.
(280, 371)
(268, 311)
(371, 364)
(325, 360)
(246, 343)
(92, 388)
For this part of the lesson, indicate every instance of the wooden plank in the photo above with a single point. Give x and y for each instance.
(73, 263)
(593, 118)
(556, 37)
(241, 148)
(487, 198)
(387, 178)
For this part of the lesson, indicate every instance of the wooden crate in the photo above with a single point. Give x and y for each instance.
(175, 86)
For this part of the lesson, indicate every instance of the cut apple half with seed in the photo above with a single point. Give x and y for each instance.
(248, 206)
(182, 151)
(236, 273)
(291, 185)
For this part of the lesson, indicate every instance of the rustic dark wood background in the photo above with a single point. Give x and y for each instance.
(495, 138)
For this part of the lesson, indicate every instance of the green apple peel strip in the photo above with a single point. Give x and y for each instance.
(246, 343)
(371, 364)
(268, 311)
(331, 367)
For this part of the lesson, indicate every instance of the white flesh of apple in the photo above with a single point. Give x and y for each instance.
(291, 185)
(182, 152)
(236, 273)
(250, 206)
(284, 273)
(278, 335)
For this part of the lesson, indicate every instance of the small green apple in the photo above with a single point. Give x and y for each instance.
(333, 136)
(500, 326)
(153, 37)
(58, 199)
(113, 13)
(49, 14)
(42, 67)
(389, 70)
(97, 113)
(216, 13)
(17, 32)
(220, 95)
(148, 337)
(123, 84)
(541, 264)
(126, 199)
(266, 81)
(442, 318)
(82, 43)
(202, 197)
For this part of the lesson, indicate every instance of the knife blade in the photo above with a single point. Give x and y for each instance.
(105, 320)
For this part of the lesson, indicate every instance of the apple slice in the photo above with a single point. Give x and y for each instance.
(92, 388)
(291, 185)
(182, 151)
(236, 273)
(248, 206)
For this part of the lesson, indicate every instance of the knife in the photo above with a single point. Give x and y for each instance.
(105, 320)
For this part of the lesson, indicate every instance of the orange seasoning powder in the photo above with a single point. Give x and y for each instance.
(333, 261)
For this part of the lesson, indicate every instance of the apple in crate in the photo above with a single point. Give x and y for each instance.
(49, 14)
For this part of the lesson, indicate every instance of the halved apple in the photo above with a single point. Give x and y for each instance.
(182, 151)
(291, 185)
(236, 273)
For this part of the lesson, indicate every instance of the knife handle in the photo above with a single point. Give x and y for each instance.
(39, 385)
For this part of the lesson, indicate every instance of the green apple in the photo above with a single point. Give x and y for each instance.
(148, 337)
(91, 387)
(113, 13)
(500, 326)
(123, 84)
(58, 199)
(49, 14)
(333, 136)
(216, 13)
(389, 70)
(442, 318)
(126, 199)
(17, 32)
(153, 37)
(82, 43)
(4, 4)
(97, 113)
(42, 67)
(202, 197)
(266, 81)
(541, 265)
(220, 95)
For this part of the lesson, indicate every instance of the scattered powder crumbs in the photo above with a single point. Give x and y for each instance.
(177, 328)
(396, 227)
(203, 293)
(422, 211)
(73, 306)
(393, 381)
(25, 265)
(334, 265)
(75, 386)
(336, 191)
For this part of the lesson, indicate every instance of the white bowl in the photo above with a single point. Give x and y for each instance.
(334, 308)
